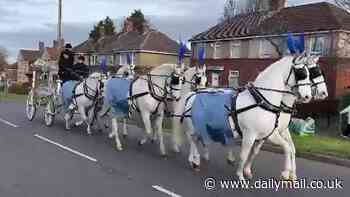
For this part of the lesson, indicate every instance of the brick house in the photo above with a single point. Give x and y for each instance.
(148, 49)
(26, 58)
(238, 49)
(11, 72)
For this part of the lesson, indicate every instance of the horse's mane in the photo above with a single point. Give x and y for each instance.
(95, 75)
(190, 72)
(122, 70)
(287, 60)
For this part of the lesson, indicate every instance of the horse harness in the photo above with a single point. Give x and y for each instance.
(93, 97)
(262, 102)
(174, 80)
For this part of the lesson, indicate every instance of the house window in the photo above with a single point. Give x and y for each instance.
(266, 49)
(124, 58)
(233, 78)
(110, 60)
(95, 60)
(235, 49)
(217, 50)
(318, 45)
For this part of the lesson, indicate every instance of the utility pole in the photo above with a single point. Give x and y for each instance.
(59, 28)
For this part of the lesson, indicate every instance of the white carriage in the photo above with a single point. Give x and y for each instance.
(44, 91)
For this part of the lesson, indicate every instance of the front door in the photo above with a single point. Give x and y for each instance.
(215, 79)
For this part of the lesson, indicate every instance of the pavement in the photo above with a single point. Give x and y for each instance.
(40, 162)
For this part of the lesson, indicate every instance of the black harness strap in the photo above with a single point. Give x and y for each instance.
(261, 102)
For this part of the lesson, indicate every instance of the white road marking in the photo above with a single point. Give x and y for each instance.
(65, 148)
(8, 123)
(161, 189)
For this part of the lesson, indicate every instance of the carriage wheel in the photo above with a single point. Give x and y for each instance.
(30, 106)
(49, 113)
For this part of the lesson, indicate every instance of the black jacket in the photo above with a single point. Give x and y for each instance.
(80, 69)
(65, 65)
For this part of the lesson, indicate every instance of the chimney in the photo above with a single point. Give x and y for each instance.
(55, 44)
(277, 5)
(41, 46)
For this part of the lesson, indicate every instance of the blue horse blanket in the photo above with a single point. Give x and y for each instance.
(68, 93)
(117, 95)
(210, 116)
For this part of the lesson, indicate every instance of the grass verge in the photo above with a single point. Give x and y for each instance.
(329, 146)
(13, 98)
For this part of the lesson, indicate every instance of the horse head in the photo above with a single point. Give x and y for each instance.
(319, 86)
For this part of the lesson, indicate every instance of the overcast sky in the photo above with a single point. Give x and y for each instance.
(25, 22)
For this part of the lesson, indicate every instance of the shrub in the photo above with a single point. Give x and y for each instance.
(18, 88)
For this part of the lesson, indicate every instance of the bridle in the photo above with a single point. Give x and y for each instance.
(173, 80)
(316, 72)
(300, 71)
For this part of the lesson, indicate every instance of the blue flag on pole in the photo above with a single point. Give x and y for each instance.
(128, 58)
(103, 64)
(291, 44)
(182, 51)
(201, 56)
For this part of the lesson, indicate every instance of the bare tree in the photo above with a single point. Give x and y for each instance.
(235, 7)
(277, 27)
(3, 57)
(231, 9)
(345, 4)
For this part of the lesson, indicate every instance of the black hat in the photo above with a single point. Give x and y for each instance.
(81, 58)
(68, 46)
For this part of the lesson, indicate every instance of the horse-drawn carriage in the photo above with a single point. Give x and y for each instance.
(44, 91)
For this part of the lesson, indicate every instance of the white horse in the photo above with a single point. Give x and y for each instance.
(194, 79)
(85, 97)
(148, 95)
(288, 102)
(273, 83)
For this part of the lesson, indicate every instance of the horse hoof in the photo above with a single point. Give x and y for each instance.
(164, 156)
(140, 143)
(176, 150)
(195, 167)
(285, 176)
(120, 149)
(110, 136)
(248, 174)
(230, 162)
(293, 177)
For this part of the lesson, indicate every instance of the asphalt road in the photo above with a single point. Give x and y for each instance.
(31, 166)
